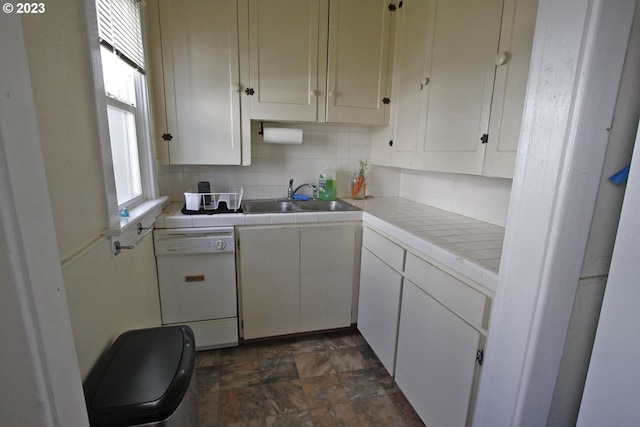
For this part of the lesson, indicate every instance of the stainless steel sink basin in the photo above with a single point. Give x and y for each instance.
(268, 206)
(284, 206)
(326, 205)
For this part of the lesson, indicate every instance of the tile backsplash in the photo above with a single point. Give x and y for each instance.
(482, 198)
(272, 165)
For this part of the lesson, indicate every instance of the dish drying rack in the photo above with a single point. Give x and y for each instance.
(231, 195)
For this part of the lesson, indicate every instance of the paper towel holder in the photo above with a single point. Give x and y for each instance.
(280, 135)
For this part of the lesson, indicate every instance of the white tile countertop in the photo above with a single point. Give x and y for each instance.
(469, 247)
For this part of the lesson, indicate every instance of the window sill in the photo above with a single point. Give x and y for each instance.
(144, 213)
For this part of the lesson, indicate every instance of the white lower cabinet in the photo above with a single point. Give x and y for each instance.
(296, 278)
(378, 307)
(327, 269)
(442, 328)
(426, 326)
(435, 362)
(269, 270)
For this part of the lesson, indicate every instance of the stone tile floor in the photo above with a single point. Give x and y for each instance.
(323, 380)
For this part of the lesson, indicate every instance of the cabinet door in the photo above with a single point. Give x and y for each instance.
(464, 44)
(358, 71)
(435, 364)
(516, 40)
(327, 266)
(378, 307)
(286, 64)
(444, 58)
(396, 144)
(201, 93)
(269, 269)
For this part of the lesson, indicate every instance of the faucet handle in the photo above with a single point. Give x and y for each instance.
(291, 182)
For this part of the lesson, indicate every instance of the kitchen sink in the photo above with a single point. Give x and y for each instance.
(268, 206)
(325, 205)
(284, 206)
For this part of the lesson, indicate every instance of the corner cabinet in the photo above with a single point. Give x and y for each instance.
(319, 61)
(459, 87)
(296, 278)
(379, 295)
(427, 325)
(195, 78)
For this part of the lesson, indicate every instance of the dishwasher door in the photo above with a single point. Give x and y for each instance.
(197, 280)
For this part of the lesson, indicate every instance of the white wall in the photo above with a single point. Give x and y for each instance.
(578, 53)
(39, 380)
(106, 295)
(486, 199)
(611, 390)
(602, 235)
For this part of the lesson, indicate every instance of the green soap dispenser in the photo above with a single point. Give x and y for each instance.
(327, 184)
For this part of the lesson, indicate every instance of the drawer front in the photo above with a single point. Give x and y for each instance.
(383, 248)
(454, 294)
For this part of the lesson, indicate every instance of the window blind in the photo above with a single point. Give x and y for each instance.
(120, 29)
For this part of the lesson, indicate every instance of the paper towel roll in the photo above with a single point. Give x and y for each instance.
(282, 136)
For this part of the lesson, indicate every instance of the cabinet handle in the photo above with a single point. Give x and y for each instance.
(424, 83)
(235, 87)
(332, 93)
(314, 92)
(502, 58)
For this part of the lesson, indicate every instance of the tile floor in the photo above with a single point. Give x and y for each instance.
(323, 380)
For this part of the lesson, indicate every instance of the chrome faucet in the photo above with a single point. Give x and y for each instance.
(292, 192)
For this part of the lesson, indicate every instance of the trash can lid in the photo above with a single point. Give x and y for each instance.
(142, 378)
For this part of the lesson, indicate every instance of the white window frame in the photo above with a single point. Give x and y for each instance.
(150, 202)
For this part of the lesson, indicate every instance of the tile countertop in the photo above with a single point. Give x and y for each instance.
(469, 247)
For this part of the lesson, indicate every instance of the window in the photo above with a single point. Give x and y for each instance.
(122, 56)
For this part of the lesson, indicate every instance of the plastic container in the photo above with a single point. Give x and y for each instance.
(327, 184)
(145, 379)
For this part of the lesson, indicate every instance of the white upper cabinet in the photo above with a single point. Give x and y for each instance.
(358, 65)
(196, 82)
(319, 61)
(460, 73)
(459, 81)
(287, 71)
(513, 59)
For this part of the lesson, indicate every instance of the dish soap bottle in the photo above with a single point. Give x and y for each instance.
(327, 184)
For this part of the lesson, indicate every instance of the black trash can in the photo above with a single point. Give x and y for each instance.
(145, 379)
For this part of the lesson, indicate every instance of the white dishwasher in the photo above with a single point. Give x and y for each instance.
(197, 281)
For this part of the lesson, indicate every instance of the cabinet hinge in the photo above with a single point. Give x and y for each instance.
(249, 91)
(484, 138)
(480, 357)
(386, 100)
(167, 136)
